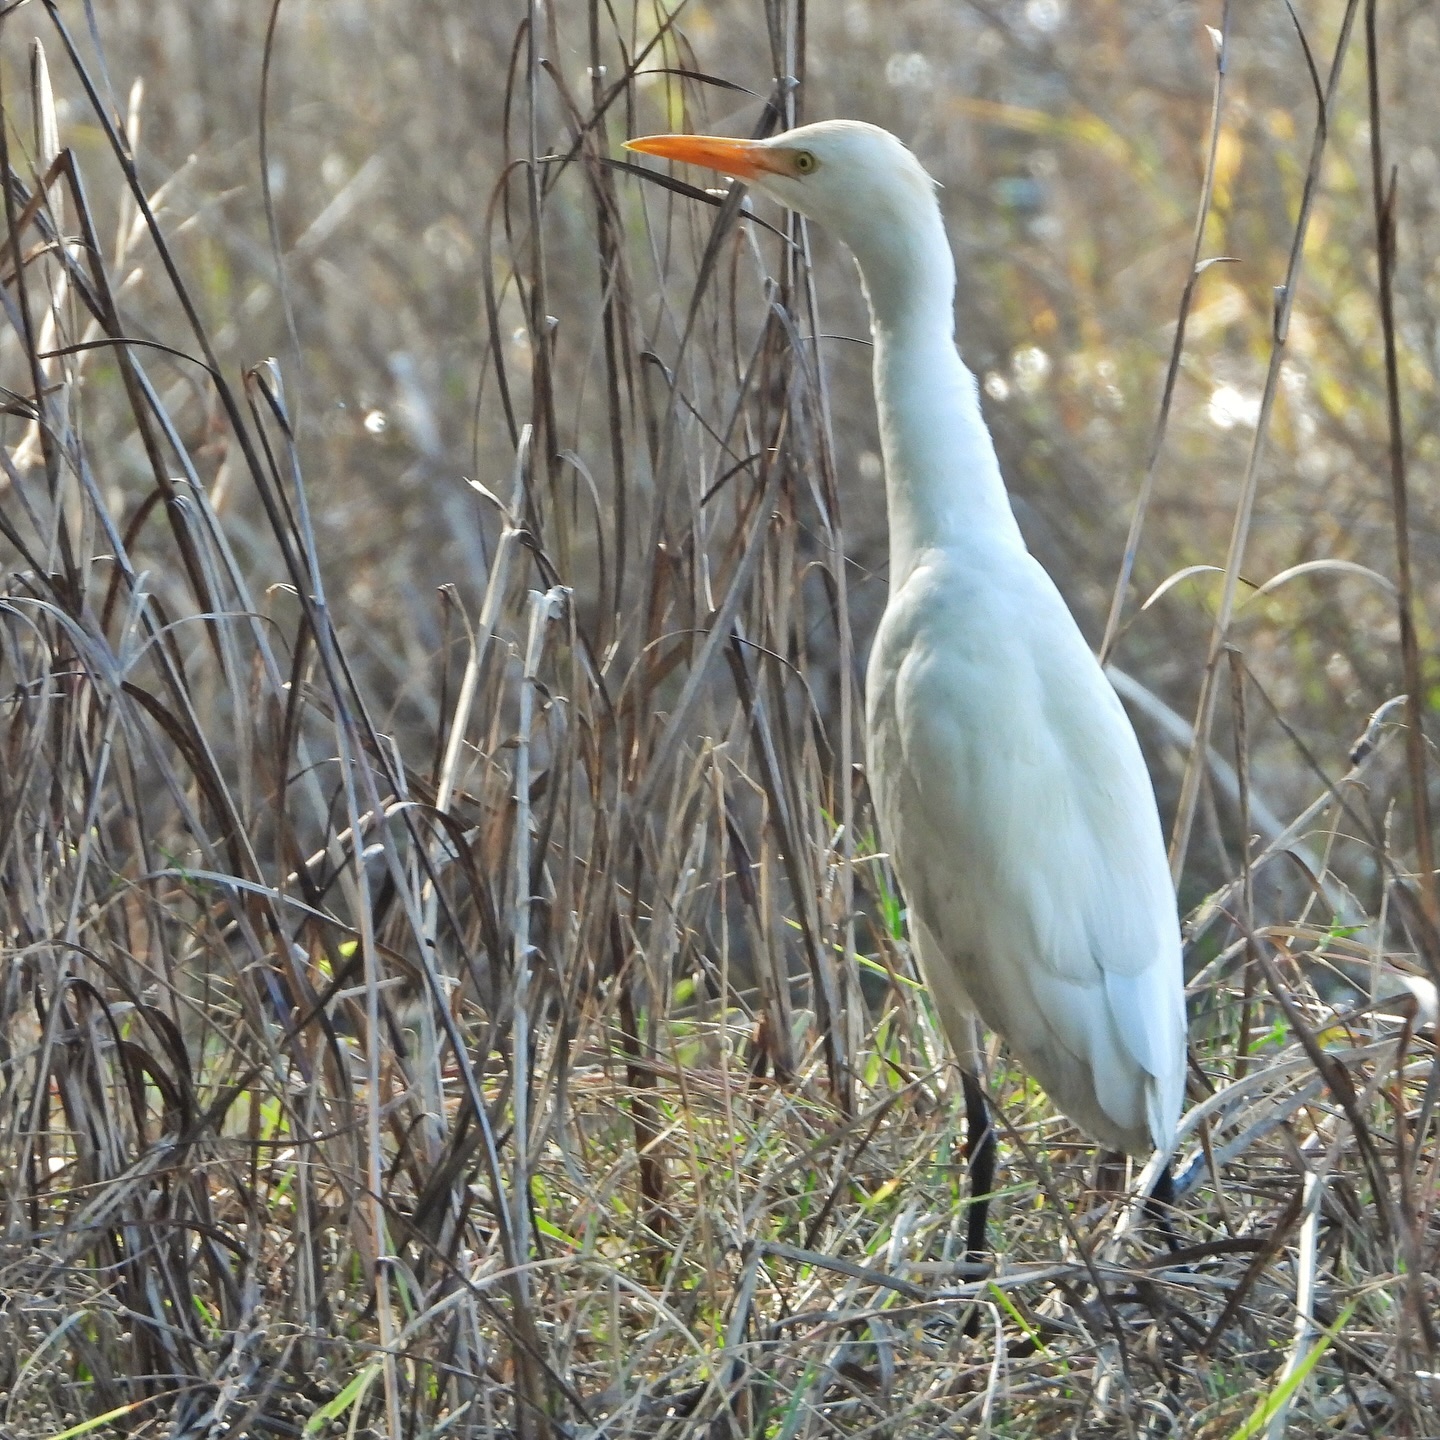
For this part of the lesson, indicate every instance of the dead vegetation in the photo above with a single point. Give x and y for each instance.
(529, 1046)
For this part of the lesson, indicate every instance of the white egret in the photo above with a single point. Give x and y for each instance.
(1008, 783)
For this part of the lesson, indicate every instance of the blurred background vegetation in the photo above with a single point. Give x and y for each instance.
(461, 742)
(1071, 147)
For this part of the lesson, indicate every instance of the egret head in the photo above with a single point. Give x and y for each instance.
(835, 172)
(857, 180)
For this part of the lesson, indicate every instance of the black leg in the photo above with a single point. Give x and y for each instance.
(1163, 1192)
(1160, 1202)
(1109, 1173)
(980, 1156)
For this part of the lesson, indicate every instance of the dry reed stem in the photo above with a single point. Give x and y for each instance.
(566, 1074)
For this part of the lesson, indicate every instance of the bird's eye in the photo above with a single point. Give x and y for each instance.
(805, 163)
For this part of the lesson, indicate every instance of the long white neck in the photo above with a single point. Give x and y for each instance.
(942, 480)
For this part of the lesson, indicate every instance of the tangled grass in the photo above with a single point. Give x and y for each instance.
(563, 1072)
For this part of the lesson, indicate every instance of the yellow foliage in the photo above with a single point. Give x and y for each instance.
(1229, 152)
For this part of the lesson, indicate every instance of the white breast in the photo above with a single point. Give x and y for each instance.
(1014, 799)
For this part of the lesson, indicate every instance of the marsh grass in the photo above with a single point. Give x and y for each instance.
(563, 1071)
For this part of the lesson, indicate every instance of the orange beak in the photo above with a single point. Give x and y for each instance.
(741, 158)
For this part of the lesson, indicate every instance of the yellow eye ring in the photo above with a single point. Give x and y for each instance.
(805, 163)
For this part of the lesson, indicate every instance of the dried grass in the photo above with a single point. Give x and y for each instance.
(571, 1078)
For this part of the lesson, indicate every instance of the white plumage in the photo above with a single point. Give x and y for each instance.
(1009, 785)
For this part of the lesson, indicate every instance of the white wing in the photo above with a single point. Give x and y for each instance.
(1014, 798)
